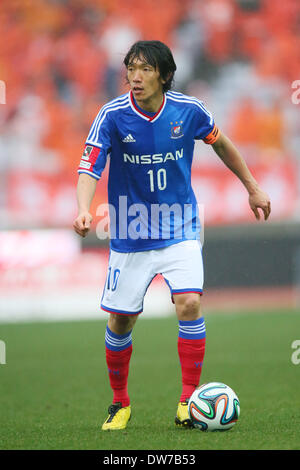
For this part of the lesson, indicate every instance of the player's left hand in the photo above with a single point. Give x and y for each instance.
(260, 200)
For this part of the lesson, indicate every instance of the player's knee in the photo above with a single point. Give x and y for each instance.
(121, 324)
(188, 307)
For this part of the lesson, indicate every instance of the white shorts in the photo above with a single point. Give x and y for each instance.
(130, 274)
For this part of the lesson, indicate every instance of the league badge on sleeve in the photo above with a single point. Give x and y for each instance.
(177, 130)
(87, 152)
(89, 157)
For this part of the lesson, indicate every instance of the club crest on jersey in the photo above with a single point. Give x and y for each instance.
(176, 131)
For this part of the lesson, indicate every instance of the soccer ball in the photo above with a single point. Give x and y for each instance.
(214, 407)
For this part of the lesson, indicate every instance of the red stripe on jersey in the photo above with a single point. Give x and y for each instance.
(89, 157)
(150, 118)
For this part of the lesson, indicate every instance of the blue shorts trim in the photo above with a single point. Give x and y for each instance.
(186, 291)
(120, 312)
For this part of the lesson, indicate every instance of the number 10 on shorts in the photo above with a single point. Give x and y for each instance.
(112, 278)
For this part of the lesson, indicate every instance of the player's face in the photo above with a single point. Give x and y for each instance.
(146, 84)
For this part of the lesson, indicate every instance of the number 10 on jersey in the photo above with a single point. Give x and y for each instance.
(158, 179)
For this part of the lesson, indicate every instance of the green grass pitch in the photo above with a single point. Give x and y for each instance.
(54, 389)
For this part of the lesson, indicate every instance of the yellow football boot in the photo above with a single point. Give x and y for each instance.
(118, 417)
(182, 418)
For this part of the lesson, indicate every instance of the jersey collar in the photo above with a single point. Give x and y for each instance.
(144, 115)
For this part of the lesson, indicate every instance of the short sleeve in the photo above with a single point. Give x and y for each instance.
(205, 127)
(97, 147)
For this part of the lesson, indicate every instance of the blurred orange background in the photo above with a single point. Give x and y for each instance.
(62, 60)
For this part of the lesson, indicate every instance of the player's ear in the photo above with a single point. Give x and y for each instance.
(165, 80)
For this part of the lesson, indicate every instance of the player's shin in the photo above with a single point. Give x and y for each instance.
(118, 354)
(191, 350)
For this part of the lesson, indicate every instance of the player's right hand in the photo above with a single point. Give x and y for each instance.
(82, 223)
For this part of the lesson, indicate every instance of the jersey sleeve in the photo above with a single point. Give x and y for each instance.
(97, 147)
(206, 128)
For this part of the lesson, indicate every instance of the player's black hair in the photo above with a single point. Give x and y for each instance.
(157, 54)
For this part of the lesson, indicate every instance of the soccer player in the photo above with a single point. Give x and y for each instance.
(149, 135)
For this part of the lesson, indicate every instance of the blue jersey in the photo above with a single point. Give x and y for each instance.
(151, 200)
